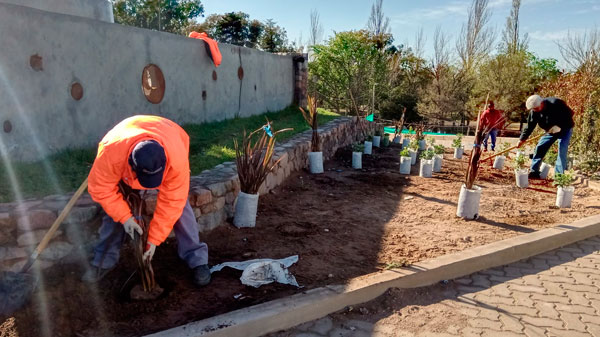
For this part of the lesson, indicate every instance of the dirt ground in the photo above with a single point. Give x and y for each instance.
(342, 224)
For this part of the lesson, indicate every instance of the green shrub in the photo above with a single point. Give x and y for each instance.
(563, 179)
(457, 142)
(520, 161)
(414, 144)
(357, 147)
(438, 149)
(405, 153)
(427, 155)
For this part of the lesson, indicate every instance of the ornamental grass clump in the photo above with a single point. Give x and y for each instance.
(253, 158)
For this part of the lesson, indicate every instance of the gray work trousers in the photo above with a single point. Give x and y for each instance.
(189, 247)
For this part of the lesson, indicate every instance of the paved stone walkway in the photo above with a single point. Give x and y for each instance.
(552, 294)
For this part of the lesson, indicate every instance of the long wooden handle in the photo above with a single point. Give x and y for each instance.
(510, 148)
(42, 245)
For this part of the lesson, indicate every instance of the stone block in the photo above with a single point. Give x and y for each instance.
(197, 212)
(56, 251)
(214, 206)
(202, 196)
(211, 220)
(10, 253)
(230, 197)
(5, 219)
(36, 219)
(217, 189)
(33, 237)
(82, 214)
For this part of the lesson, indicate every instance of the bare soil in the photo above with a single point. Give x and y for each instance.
(342, 224)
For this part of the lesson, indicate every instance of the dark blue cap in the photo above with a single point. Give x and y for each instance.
(148, 160)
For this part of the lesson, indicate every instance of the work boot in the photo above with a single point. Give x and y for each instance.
(534, 175)
(201, 275)
(95, 274)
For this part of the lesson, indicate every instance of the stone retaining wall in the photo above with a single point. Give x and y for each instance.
(212, 196)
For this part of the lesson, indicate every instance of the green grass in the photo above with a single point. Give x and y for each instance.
(210, 145)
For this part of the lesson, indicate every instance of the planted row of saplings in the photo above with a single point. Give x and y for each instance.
(470, 194)
(380, 139)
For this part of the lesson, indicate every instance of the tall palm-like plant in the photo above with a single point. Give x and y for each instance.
(311, 119)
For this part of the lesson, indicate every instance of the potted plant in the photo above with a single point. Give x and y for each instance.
(470, 194)
(413, 149)
(438, 157)
(368, 145)
(458, 147)
(405, 161)
(420, 137)
(386, 139)
(548, 161)
(426, 167)
(564, 194)
(253, 161)
(431, 143)
(377, 138)
(521, 171)
(499, 160)
(315, 156)
(398, 127)
(357, 151)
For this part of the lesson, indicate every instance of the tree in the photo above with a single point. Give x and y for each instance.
(511, 39)
(379, 25)
(316, 28)
(345, 69)
(582, 52)
(232, 28)
(475, 41)
(445, 96)
(172, 16)
(274, 38)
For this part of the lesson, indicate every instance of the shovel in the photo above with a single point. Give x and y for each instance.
(553, 130)
(15, 288)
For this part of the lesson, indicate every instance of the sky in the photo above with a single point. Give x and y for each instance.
(545, 21)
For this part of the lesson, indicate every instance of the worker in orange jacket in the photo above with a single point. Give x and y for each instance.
(145, 152)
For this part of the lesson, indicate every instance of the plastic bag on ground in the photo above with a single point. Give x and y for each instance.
(263, 271)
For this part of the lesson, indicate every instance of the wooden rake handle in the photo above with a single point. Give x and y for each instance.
(63, 214)
(511, 148)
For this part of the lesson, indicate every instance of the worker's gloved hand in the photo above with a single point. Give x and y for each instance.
(149, 253)
(131, 225)
(521, 142)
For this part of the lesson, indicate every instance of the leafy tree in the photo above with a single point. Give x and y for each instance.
(345, 69)
(274, 38)
(172, 16)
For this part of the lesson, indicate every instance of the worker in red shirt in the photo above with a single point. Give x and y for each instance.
(145, 152)
(493, 121)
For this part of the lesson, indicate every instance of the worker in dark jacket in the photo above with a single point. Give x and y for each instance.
(547, 113)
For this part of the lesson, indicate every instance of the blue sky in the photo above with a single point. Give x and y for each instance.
(546, 21)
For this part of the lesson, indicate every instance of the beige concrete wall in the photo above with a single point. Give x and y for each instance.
(38, 114)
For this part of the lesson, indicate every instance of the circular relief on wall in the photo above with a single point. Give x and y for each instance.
(76, 91)
(214, 75)
(153, 83)
(7, 126)
(240, 72)
(36, 62)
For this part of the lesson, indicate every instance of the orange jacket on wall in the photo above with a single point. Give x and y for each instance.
(111, 166)
(213, 46)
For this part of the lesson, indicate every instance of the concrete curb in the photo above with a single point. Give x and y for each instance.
(316, 303)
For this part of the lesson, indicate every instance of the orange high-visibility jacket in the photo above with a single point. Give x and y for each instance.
(111, 166)
(213, 46)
